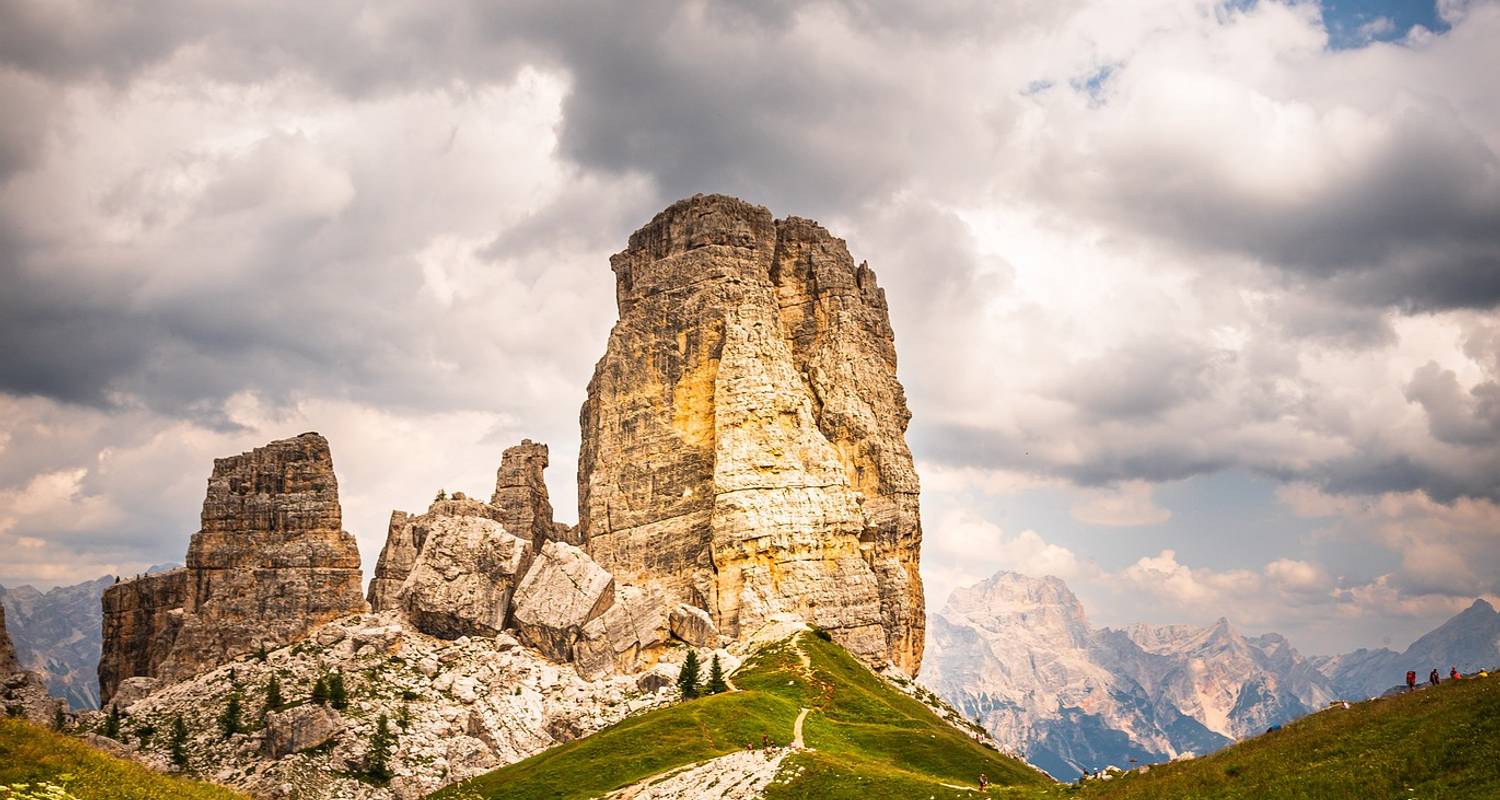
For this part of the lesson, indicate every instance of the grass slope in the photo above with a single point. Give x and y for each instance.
(30, 753)
(868, 739)
(1435, 744)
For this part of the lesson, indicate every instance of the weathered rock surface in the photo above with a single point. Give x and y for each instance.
(404, 541)
(521, 496)
(471, 704)
(141, 618)
(694, 626)
(270, 563)
(300, 728)
(562, 592)
(462, 581)
(624, 637)
(743, 439)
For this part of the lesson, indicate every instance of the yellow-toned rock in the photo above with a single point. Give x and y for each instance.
(744, 435)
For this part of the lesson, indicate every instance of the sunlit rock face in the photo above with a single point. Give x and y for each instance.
(270, 563)
(743, 440)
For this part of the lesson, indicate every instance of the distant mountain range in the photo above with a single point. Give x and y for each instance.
(1470, 641)
(1018, 655)
(56, 634)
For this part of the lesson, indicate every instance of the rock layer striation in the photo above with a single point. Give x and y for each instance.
(270, 563)
(743, 445)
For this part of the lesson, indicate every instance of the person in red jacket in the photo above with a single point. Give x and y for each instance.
(1411, 680)
(1454, 674)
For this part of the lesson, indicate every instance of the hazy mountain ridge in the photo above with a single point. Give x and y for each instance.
(57, 634)
(1469, 641)
(1019, 655)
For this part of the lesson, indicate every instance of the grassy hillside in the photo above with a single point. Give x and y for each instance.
(30, 754)
(1435, 744)
(868, 740)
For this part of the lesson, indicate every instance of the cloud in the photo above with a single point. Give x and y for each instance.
(1127, 505)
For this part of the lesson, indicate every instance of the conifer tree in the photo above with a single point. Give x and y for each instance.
(178, 744)
(337, 697)
(231, 721)
(403, 717)
(716, 682)
(378, 759)
(59, 719)
(112, 723)
(320, 691)
(687, 680)
(273, 694)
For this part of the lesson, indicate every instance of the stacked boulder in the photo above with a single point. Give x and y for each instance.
(471, 568)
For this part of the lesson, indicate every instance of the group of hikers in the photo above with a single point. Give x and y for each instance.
(1432, 677)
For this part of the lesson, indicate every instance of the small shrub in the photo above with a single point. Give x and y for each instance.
(822, 634)
(320, 691)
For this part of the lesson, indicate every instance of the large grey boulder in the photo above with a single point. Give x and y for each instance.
(562, 592)
(462, 580)
(614, 641)
(300, 728)
(694, 626)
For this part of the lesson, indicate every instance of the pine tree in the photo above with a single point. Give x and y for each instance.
(178, 744)
(230, 721)
(403, 717)
(59, 718)
(378, 759)
(687, 680)
(716, 682)
(112, 723)
(273, 694)
(337, 697)
(320, 690)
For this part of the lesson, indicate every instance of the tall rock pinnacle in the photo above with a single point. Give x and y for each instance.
(270, 563)
(743, 439)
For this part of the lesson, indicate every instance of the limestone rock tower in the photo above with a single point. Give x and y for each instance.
(743, 440)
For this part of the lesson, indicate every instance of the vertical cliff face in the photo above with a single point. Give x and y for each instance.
(270, 563)
(140, 622)
(743, 439)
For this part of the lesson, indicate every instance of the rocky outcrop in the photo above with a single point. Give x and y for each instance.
(519, 504)
(562, 592)
(270, 563)
(521, 496)
(405, 538)
(462, 580)
(743, 441)
(140, 622)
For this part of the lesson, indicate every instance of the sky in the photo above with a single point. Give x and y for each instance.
(1195, 301)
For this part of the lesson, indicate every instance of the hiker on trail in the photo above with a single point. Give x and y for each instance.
(984, 781)
(1411, 680)
(765, 741)
(1433, 678)
(1454, 674)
